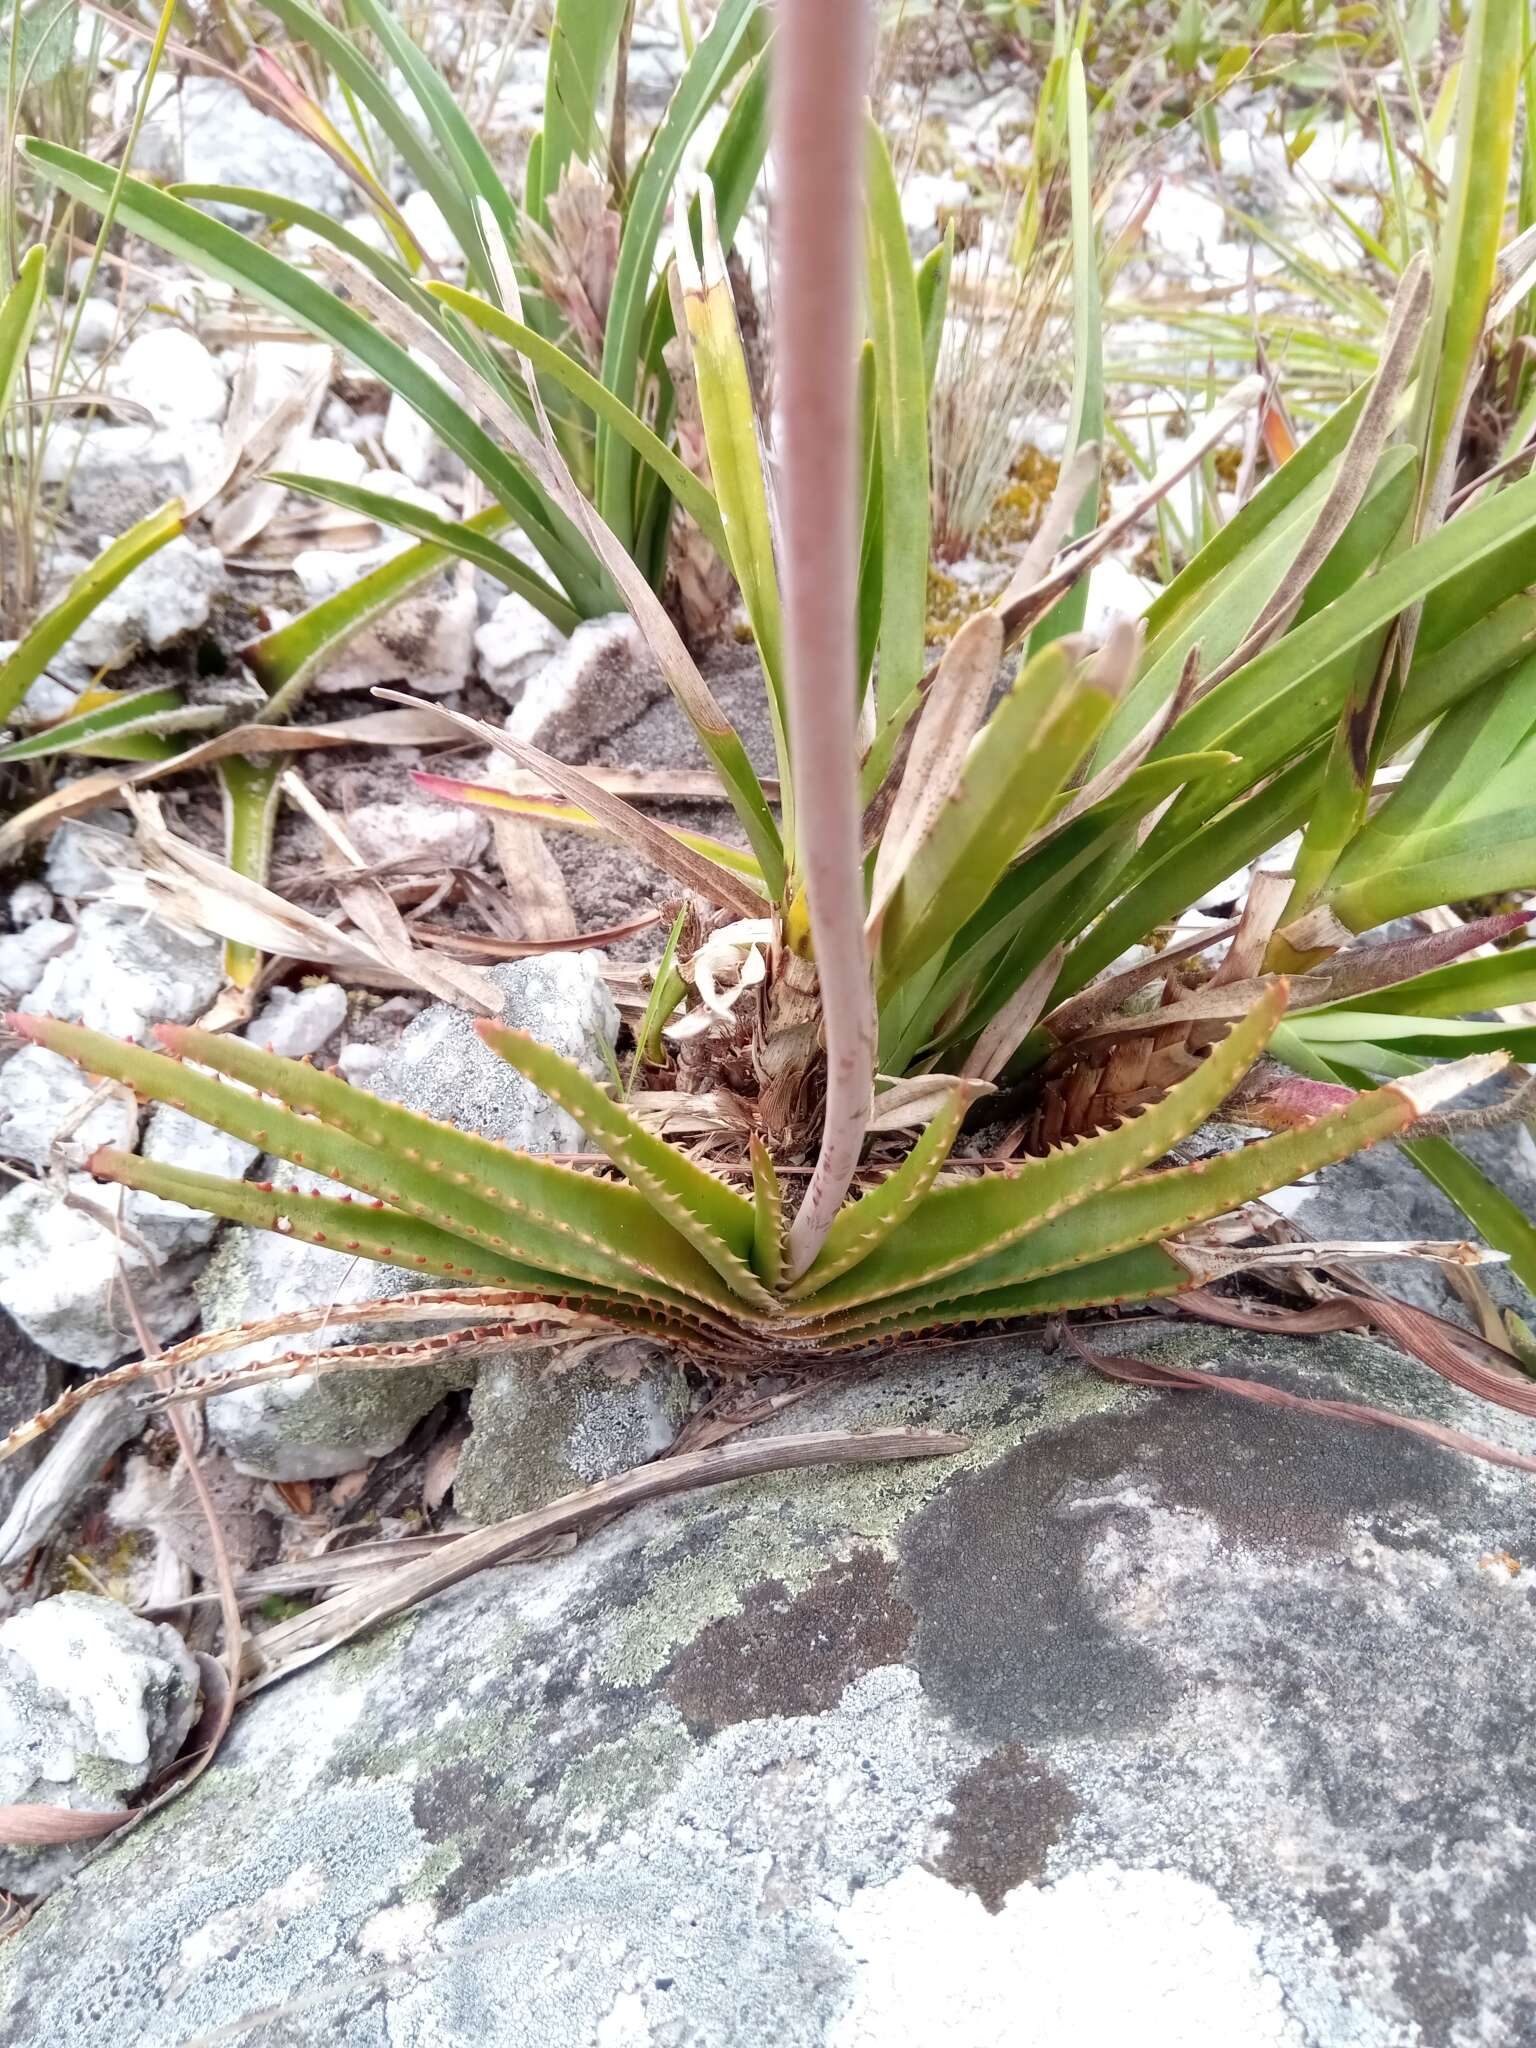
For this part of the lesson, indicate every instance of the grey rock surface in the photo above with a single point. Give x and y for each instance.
(93, 1700)
(29, 1379)
(1164, 1718)
(298, 1021)
(63, 1265)
(24, 954)
(127, 972)
(41, 1094)
(79, 853)
(317, 1424)
(1382, 1194)
(444, 1069)
(425, 644)
(165, 597)
(118, 474)
(320, 1424)
(537, 1434)
(598, 683)
(514, 643)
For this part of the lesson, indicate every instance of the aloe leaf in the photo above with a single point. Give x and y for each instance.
(552, 361)
(767, 1217)
(224, 253)
(370, 1230)
(1161, 880)
(1145, 1274)
(958, 1227)
(115, 726)
(50, 632)
(862, 1225)
(1495, 982)
(18, 319)
(1429, 1037)
(1017, 765)
(287, 660)
(901, 385)
(593, 1228)
(1158, 1206)
(528, 1209)
(714, 1218)
(459, 538)
(1290, 695)
(732, 37)
(1491, 1212)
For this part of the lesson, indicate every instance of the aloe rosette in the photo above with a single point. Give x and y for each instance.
(658, 1244)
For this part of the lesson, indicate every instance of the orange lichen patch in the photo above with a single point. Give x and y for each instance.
(1500, 1560)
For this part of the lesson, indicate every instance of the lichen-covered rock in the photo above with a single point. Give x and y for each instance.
(93, 1700)
(317, 1425)
(535, 1435)
(1152, 1717)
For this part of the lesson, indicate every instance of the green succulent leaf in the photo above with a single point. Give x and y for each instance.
(715, 1219)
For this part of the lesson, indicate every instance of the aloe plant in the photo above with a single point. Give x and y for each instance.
(929, 935)
(674, 1251)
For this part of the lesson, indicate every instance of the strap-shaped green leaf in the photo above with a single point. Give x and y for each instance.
(385, 103)
(18, 317)
(130, 727)
(901, 383)
(957, 1228)
(461, 538)
(863, 1224)
(465, 154)
(582, 40)
(552, 361)
(1016, 766)
(767, 1217)
(734, 34)
(48, 633)
(714, 1218)
(286, 660)
(225, 253)
(1146, 1274)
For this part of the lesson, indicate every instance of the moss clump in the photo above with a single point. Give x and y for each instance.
(949, 605)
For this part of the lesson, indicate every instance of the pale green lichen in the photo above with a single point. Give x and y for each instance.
(771, 1529)
(442, 1860)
